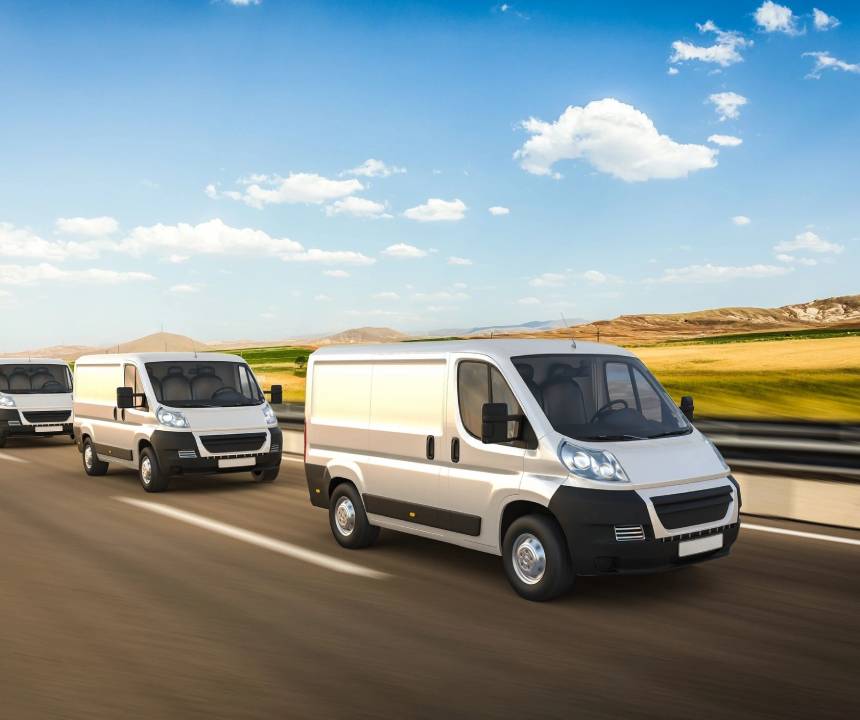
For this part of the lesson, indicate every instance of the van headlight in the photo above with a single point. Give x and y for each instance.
(6, 401)
(269, 414)
(591, 464)
(171, 418)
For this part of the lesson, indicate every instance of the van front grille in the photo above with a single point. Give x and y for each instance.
(47, 416)
(692, 508)
(242, 442)
(625, 533)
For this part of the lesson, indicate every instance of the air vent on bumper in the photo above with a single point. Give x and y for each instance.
(626, 533)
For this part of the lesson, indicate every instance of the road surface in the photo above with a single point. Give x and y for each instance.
(228, 599)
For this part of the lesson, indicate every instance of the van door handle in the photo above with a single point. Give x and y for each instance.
(431, 447)
(455, 450)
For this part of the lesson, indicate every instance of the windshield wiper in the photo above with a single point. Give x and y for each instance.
(611, 438)
(683, 431)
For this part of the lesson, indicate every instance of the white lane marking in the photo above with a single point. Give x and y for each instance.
(293, 458)
(800, 533)
(12, 458)
(279, 546)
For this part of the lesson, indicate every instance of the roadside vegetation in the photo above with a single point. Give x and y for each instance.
(809, 374)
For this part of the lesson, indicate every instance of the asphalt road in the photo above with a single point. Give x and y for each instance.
(112, 610)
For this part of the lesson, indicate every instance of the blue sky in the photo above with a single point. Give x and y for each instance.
(204, 165)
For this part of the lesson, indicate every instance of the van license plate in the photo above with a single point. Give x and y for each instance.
(236, 462)
(700, 545)
(49, 428)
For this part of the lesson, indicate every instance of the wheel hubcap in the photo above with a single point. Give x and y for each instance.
(529, 559)
(146, 470)
(344, 516)
(88, 456)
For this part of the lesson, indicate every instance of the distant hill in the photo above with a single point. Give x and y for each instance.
(531, 326)
(633, 329)
(157, 342)
(363, 335)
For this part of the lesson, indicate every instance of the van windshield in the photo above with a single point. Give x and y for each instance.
(32, 379)
(198, 384)
(601, 397)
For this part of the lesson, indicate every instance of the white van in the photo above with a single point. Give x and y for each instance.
(565, 459)
(167, 414)
(35, 398)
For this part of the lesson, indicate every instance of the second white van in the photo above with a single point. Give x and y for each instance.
(35, 398)
(564, 459)
(168, 414)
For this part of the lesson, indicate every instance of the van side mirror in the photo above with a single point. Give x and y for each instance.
(687, 406)
(276, 395)
(494, 423)
(125, 398)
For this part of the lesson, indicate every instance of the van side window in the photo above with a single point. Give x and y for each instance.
(479, 383)
(651, 408)
(619, 384)
(131, 379)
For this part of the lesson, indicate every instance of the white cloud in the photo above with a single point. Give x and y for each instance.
(720, 273)
(454, 260)
(810, 242)
(244, 3)
(387, 295)
(375, 168)
(322, 298)
(336, 273)
(727, 104)
(185, 289)
(595, 277)
(614, 138)
(211, 191)
(672, 71)
(741, 220)
(725, 140)
(402, 250)
(724, 52)
(306, 188)
(214, 237)
(772, 17)
(499, 210)
(549, 279)
(529, 301)
(823, 21)
(24, 243)
(45, 272)
(791, 259)
(825, 61)
(88, 227)
(357, 207)
(435, 210)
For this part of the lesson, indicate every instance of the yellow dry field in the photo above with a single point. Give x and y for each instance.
(804, 379)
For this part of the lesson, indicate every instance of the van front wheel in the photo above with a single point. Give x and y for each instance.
(268, 475)
(349, 523)
(536, 559)
(151, 477)
(92, 464)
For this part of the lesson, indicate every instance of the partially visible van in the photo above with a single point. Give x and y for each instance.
(35, 398)
(565, 459)
(169, 414)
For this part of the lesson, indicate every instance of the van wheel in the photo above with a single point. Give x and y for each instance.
(349, 523)
(267, 475)
(151, 477)
(92, 464)
(536, 559)
(3, 438)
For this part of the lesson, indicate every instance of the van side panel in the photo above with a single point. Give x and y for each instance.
(340, 406)
(95, 391)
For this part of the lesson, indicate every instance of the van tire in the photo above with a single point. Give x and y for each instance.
(268, 475)
(3, 438)
(149, 472)
(351, 529)
(540, 541)
(92, 465)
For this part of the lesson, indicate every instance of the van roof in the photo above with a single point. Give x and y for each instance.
(32, 361)
(497, 349)
(146, 357)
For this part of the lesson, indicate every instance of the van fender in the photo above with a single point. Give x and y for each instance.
(81, 428)
(534, 490)
(319, 478)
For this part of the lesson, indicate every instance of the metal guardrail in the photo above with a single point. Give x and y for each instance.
(823, 449)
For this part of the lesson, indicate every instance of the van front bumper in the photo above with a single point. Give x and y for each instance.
(178, 454)
(12, 424)
(589, 519)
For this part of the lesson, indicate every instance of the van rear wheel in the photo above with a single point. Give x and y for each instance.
(150, 474)
(536, 559)
(92, 464)
(349, 523)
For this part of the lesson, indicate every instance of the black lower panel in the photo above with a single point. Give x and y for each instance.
(114, 452)
(318, 484)
(424, 515)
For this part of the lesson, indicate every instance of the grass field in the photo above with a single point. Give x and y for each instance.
(812, 375)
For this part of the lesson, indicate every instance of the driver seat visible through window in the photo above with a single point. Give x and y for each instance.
(205, 384)
(175, 386)
(563, 400)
